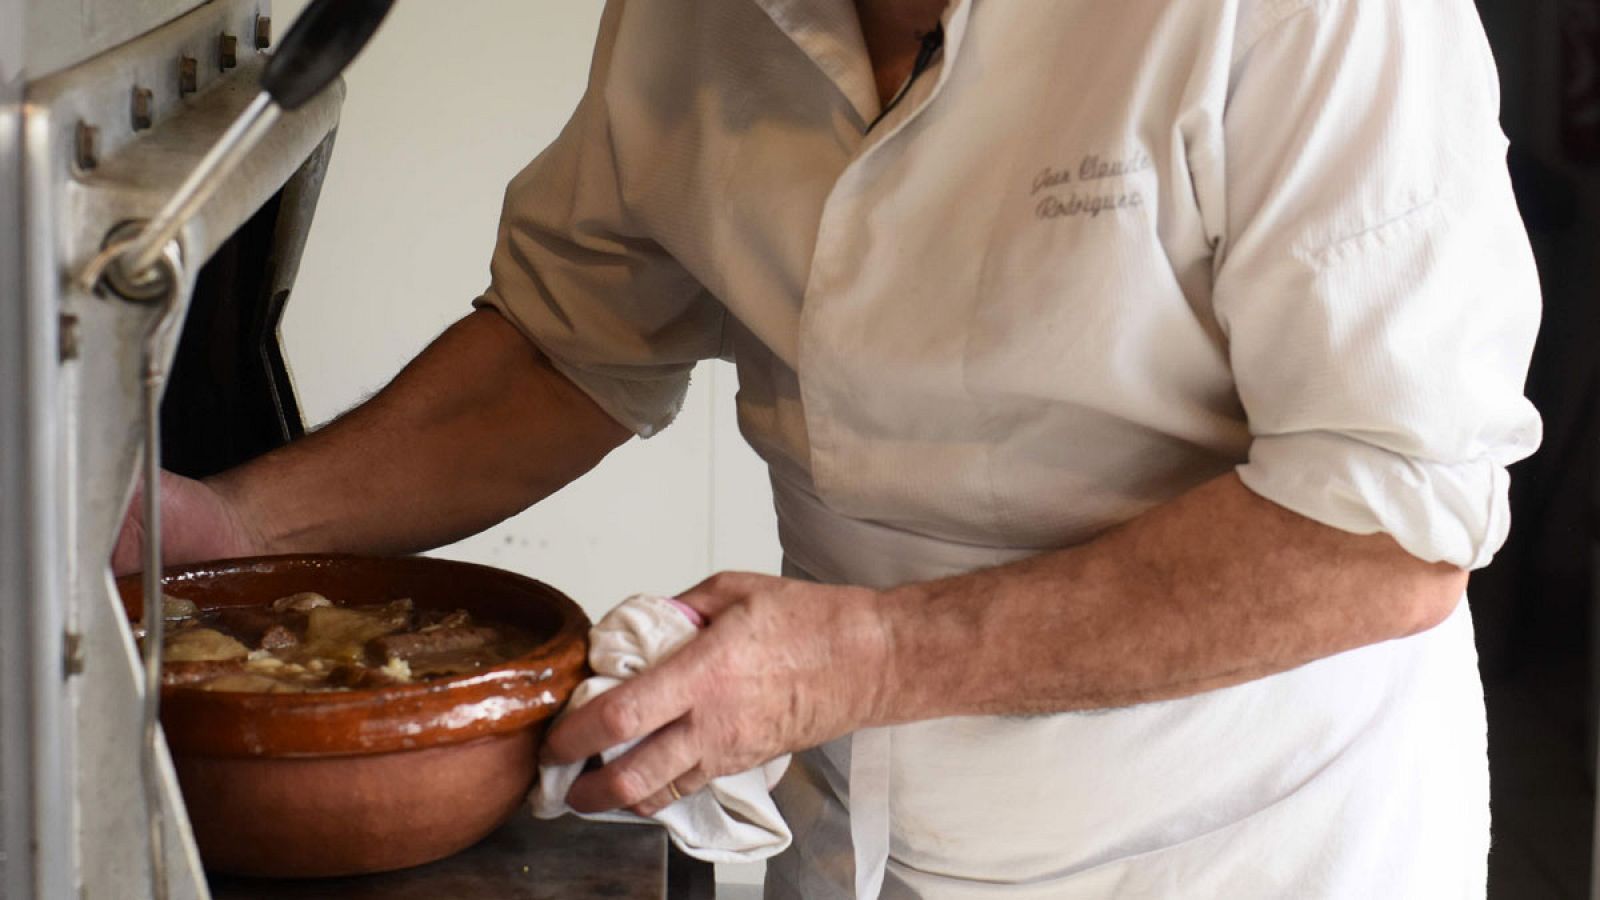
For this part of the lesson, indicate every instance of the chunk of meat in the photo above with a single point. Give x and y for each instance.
(202, 645)
(278, 637)
(302, 602)
(341, 634)
(433, 643)
(177, 608)
(401, 609)
(431, 619)
(441, 651)
(185, 673)
(357, 676)
(257, 627)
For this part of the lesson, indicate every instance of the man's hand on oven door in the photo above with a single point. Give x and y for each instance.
(197, 523)
(783, 665)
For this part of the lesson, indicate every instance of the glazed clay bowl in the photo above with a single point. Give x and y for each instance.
(352, 782)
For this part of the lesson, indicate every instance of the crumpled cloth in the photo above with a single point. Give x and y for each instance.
(733, 818)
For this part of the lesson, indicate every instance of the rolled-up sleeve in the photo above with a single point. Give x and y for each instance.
(612, 310)
(1374, 281)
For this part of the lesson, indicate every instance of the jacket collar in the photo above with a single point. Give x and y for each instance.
(829, 32)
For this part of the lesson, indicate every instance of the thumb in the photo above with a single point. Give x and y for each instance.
(127, 556)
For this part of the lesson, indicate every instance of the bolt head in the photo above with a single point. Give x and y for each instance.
(70, 337)
(88, 146)
(144, 102)
(188, 75)
(227, 51)
(263, 32)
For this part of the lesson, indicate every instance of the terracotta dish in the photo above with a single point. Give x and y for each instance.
(350, 782)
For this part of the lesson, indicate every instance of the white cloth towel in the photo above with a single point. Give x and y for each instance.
(732, 819)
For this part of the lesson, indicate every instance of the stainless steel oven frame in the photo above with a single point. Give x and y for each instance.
(105, 105)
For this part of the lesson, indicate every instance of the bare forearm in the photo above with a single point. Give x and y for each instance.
(1213, 589)
(475, 429)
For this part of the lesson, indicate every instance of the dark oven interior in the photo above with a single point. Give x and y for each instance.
(230, 396)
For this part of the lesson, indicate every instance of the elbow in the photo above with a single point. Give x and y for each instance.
(1433, 597)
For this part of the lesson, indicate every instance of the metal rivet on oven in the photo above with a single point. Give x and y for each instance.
(71, 654)
(188, 75)
(227, 51)
(88, 146)
(143, 108)
(263, 32)
(68, 337)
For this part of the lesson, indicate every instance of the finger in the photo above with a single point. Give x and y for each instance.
(685, 785)
(625, 713)
(640, 775)
(721, 591)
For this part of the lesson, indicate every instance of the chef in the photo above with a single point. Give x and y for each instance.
(1137, 381)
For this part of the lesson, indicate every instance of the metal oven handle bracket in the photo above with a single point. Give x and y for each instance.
(163, 284)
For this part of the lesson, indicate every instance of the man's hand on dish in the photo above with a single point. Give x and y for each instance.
(197, 523)
(784, 665)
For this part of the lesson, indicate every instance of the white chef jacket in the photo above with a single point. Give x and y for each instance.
(1100, 253)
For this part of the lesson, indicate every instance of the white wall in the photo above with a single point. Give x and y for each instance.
(446, 104)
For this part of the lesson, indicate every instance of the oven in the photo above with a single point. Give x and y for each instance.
(160, 166)
(106, 107)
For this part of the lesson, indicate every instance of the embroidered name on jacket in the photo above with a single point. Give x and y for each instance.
(1059, 199)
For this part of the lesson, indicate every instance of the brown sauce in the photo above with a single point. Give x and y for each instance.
(305, 642)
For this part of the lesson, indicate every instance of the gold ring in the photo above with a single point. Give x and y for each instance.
(672, 788)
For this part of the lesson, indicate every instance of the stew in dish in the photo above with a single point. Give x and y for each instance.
(305, 642)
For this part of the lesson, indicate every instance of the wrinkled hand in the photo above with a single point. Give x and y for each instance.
(784, 665)
(197, 523)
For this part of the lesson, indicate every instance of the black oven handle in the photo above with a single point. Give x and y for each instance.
(320, 43)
